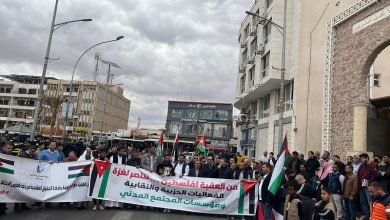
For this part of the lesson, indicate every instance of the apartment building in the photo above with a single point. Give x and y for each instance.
(18, 96)
(94, 109)
(258, 79)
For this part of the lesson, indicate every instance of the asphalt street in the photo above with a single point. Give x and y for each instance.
(71, 214)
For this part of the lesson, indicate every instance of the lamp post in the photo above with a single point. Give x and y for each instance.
(105, 98)
(282, 31)
(53, 27)
(71, 81)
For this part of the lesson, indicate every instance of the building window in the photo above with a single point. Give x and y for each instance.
(221, 115)
(4, 112)
(191, 113)
(177, 113)
(244, 57)
(190, 129)
(377, 80)
(265, 106)
(267, 31)
(204, 129)
(7, 90)
(220, 130)
(288, 97)
(175, 126)
(265, 65)
(242, 83)
(252, 73)
(206, 114)
(22, 91)
(32, 91)
(253, 47)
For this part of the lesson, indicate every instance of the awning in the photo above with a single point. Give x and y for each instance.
(233, 142)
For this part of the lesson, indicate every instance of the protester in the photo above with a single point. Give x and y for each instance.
(356, 164)
(50, 155)
(150, 160)
(6, 149)
(180, 167)
(294, 163)
(60, 149)
(87, 155)
(341, 165)
(30, 153)
(224, 171)
(304, 188)
(265, 197)
(166, 166)
(98, 203)
(238, 158)
(312, 164)
(380, 205)
(303, 171)
(272, 159)
(350, 193)
(118, 158)
(384, 173)
(197, 170)
(336, 180)
(243, 173)
(325, 207)
(211, 169)
(293, 209)
(366, 173)
(71, 157)
(264, 158)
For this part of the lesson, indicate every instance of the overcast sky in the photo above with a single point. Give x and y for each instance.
(173, 49)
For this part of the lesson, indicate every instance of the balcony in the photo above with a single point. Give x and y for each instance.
(242, 68)
(75, 94)
(264, 114)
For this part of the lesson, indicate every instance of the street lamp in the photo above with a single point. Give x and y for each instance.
(71, 81)
(282, 31)
(53, 27)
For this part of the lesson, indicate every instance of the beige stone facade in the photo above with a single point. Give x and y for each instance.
(89, 113)
(258, 80)
(351, 57)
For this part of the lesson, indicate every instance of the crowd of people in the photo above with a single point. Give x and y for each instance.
(319, 187)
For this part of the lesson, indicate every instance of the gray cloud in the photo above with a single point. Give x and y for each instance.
(171, 49)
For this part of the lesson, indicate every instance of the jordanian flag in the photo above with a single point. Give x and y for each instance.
(78, 170)
(278, 174)
(100, 170)
(202, 145)
(6, 166)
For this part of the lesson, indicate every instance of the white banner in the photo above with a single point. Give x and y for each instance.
(26, 180)
(204, 195)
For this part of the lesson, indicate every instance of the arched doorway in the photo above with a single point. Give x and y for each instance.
(355, 39)
(378, 119)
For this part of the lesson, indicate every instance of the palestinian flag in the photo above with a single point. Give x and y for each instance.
(160, 148)
(175, 146)
(278, 174)
(78, 170)
(202, 145)
(6, 166)
(100, 170)
(247, 188)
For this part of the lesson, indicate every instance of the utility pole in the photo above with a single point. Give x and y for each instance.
(105, 102)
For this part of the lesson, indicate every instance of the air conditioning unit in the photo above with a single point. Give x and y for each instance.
(242, 68)
(243, 118)
(251, 59)
(260, 49)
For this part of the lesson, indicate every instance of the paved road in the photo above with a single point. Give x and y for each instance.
(71, 214)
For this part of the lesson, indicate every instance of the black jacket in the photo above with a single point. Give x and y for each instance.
(311, 166)
(201, 173)
(266, 196)
(307, 191)
(211, 172)
(225, 173)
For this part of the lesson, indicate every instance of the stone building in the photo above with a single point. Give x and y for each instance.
(306, 116)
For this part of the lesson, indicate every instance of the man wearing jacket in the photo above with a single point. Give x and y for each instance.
(380, 205)
(366, 173)
(150, 160)
(265, 197)
(350, 193)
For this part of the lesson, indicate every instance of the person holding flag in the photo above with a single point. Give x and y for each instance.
(160, 148)
(201, 146)
(277, 177)
(175, 147)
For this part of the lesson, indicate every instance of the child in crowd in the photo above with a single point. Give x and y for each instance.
(325, 207)
(293, 209)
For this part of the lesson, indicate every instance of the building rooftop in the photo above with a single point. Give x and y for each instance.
(26, 79)
(201, 102)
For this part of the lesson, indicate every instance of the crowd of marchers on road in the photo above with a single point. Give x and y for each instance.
(319, 187)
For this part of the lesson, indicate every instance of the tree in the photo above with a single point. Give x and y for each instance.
(54, 102)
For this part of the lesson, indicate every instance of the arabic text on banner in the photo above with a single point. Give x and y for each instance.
(26, 180)
(128, 184)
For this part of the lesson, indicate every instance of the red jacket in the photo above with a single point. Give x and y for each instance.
(367, 172)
